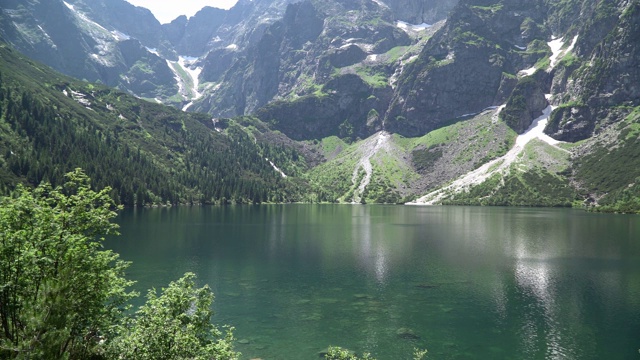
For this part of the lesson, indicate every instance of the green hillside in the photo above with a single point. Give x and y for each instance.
(148, 153)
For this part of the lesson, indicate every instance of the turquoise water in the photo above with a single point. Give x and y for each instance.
(462, 282)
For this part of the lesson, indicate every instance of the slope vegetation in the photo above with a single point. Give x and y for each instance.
(148, 153)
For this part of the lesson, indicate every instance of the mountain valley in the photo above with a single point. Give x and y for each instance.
(484, 102)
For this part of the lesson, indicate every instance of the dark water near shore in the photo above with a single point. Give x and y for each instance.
(463, 282)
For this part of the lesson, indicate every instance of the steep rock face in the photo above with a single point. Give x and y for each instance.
(64, 36)
(421, 11)
(603, 75)
(346, 109)
(245, 23)
(53, 38)
(148, 74)
(174, 31)
(253, 79)
(218, 62)
(193, 37)
(129, 20)
(524, 105)
(298, 54)
(620, 67)
(571, 123)
(247, 56)
(462, 68)
(345, 56)
(351, 68)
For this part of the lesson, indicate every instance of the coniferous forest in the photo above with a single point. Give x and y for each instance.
(148, 153)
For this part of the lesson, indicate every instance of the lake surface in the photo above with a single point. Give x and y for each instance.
(462, 282)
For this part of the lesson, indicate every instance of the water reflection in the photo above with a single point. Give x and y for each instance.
(372, 246)
(464, 282)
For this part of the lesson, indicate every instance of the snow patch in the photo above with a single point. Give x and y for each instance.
(187, 65)
(556, 47)
(120, 36)
(500, 165)
(176, 76)
(381, 4)
(372, 57)
(232, 47)
(411, 27)
(215, 125)
(276, 168)
(154, 51)
(194, 72)
(71, 7)
(81, 99)
(44, 32)
(528, 72)
(520, 47)
(187, 106)
(393, 80)
(557, 52)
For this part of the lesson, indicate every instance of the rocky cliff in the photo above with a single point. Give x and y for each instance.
(225, 62)
(469, 65)
(602, 76)
(90, 40)
(421, 11)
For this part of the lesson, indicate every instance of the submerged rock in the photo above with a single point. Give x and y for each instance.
(407, 333)
(427, 286)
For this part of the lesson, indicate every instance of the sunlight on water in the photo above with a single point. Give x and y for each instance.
(463, 282)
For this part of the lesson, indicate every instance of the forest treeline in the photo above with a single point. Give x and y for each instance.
(147, 153)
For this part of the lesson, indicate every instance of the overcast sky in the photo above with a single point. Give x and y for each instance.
(167, 10)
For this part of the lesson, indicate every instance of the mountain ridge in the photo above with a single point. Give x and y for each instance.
(314, 72)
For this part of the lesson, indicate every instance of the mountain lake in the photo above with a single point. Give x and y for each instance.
(462, 282)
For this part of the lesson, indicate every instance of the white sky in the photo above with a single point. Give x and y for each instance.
(167, 10)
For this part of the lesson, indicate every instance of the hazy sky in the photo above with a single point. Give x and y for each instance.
(167, 10)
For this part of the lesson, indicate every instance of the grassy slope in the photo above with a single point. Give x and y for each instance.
(608, 170)
(333, 180)
(537, 178)
(409, 166)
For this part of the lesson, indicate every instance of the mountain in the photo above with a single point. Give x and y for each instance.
(148, 153)
(214, 61)
(71, 38)
(490, 102)
(585, 81)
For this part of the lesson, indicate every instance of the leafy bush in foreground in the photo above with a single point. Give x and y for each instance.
(63, 297)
